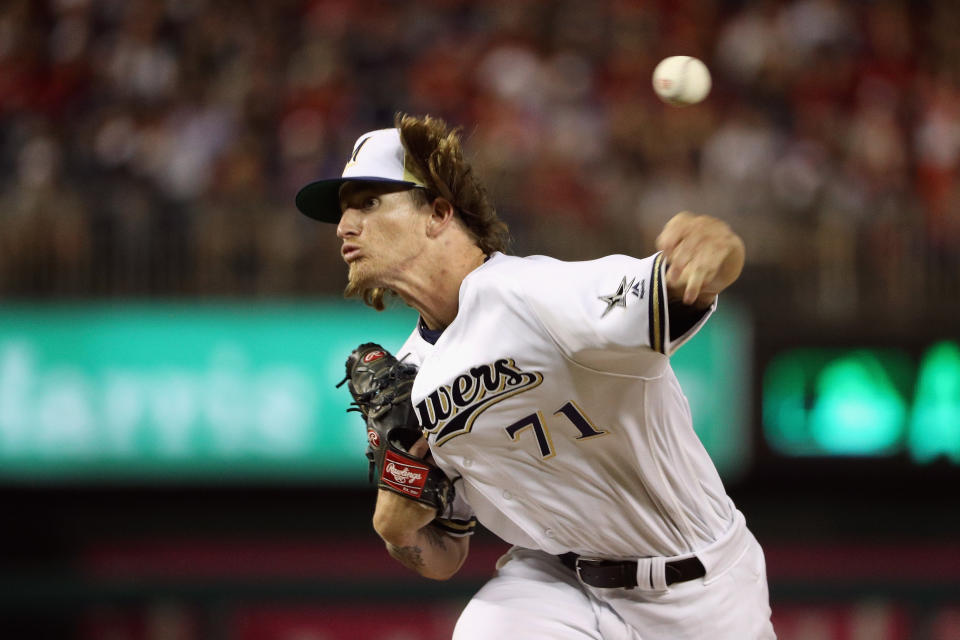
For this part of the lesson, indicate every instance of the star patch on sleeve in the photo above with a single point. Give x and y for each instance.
(619, 297)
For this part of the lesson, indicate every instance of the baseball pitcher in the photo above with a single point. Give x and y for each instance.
(536, 397)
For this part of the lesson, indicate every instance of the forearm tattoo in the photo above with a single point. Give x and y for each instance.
(436, 538)
(408, 556)
(411, 556)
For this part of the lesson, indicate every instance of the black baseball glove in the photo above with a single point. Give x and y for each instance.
(380, 386)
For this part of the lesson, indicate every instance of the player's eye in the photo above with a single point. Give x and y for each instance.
(370, 203)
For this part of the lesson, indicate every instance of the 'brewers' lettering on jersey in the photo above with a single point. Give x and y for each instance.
(451, 409)
(581, 415)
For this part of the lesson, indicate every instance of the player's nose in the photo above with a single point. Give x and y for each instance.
(349, 224)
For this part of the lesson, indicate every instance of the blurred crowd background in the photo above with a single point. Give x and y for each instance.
(153, 147)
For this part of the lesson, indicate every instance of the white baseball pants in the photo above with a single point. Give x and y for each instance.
(534, 596)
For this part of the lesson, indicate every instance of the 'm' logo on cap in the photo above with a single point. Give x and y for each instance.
(353, 158)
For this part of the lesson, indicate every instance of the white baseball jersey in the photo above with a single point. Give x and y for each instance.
(551, 401)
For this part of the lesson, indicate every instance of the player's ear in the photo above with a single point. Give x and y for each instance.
(441, 216)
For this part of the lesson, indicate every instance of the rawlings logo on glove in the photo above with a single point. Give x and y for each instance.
(403, 476)
(380, 386)
(373, 355)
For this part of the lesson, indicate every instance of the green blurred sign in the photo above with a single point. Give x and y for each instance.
(935, 421)
(715, 374)
(239, 391)
(864, 402)
(206, 391)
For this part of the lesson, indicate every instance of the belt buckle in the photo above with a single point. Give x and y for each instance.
(592, 562)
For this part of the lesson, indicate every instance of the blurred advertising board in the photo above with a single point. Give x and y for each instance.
(864, 402)
(239, 391)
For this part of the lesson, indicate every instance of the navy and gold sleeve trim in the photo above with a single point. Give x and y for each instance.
(455, 527)
(657, 316)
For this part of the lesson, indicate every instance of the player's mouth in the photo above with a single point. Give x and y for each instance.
(350, 252)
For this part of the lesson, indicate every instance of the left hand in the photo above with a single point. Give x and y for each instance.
(703, 257)
(397, 518)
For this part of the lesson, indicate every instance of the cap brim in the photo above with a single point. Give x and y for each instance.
(320, 200)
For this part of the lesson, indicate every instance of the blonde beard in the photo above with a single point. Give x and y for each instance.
(356, 280)
(358, 286)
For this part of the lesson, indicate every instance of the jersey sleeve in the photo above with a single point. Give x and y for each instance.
(603, 308)
(682, 331)
(458, 520)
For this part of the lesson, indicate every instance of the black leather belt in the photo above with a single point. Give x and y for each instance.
(622, 574)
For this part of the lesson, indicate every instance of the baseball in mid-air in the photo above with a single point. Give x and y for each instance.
(681, 80)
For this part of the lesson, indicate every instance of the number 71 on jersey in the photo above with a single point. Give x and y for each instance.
(538, 424)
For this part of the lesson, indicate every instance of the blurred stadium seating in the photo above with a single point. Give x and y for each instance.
(153, 148)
